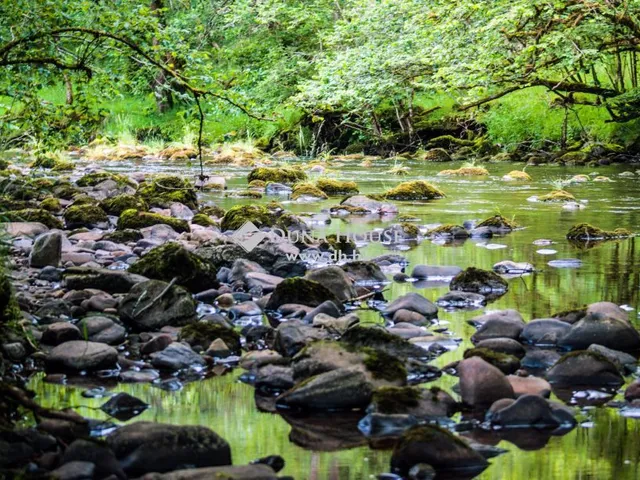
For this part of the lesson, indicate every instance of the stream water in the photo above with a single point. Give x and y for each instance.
(604, 445)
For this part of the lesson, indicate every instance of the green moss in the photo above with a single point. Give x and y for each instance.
(557, 196)
(18, 189)
(586, 232)
(10, 204)
(279, 175)
(123, 236)
(429, 434)
(33, 215)
(415, 190)
(301, 291)
(93, 179)
(500, 222)
(202, 220)
(4, 164)
(337, 187)
(44, 161)
(172, 260)
(518, 175)
(118, 204)
(307, 190)
(350, 209)
(506, 363)
(435, 155)
(51, 204)
(450, 142)
(465, 172)
(584, 353)
(384, 366)
(410, 229)
(86, 215)
(257, 184)
(212, 211)
(477, 280)
(448, 230)
(237, 216)
(66, 191)
(574, 158)
(163, 190)
(83, 199)
(136, 220)
(203, 333)
(245, 194)
(396, 400)
(343, 244)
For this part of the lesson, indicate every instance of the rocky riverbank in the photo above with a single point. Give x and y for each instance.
(130, 278)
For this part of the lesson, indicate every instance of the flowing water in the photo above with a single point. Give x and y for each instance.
(604, 445)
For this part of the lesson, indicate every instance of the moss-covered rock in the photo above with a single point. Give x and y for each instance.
(586, 232)
(415, 190)
(244, 194)
(93, 179)
(51, 204)
(123, 236)
(384, 366)
(118, 204)
(517, 175)
(337, 187)
(134, 219)
(448, 231)
(85, 215)
(257, 184)
(506, 363)
(557, 196)
(66, 191)
(10, 204)
(307, 190)
(478, 281)
(450, 142)
(33, 215)
(172, 260)
(421, 402)
(465, 172)
(237, 216)
(435, 155)
(300, 291)
(574, 158)
(4, 164)
(341, 243)
(212, 211)
(381, 340)
(18, 189)
(201, 334)
(163, 190)
(277, 174)
(499, 223)
(202, 220)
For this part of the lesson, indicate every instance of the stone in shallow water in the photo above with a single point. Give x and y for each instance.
(177, 356)
(47, 250)
(584, 368)
(413, 302)
(79, 355)
(124, 406)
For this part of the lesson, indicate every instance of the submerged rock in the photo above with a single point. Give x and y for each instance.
(413, 302)
(437, 447)
(544, 332)
(584, 368)
(369, 205)
(124, 406)
(419, 402)
(143, 447)
(529, 411)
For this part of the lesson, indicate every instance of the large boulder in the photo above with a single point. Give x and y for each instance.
(85, 215)
(413, 302)
(602, 329)
(341, 389)
(300, 291)
(481, 383)
(78, 355)
(144, 447)
(381, 340)
(437, 447)
(544, 332)
(336, 280)
(47, 250)
(153, 304)
(172, 260)
(110, 281)
(584, 368)
(477, 280)
(504, 324)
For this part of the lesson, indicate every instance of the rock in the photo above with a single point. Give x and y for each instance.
(257, 358)
(505, 363)
(413, 302)
(409, 316)
(103, 330)
(218, 349)
(506, 324)
(156, 344)
(419, 402)
(74, 471)
(363, 273)
(544, 332)
(292, 336)
(437, 447)
(236, 472)
(537, 359)
(383, 341)
(340, 389)
(241, 267)
(172, 260)
(201, 334)
(124, 406)
(53, 311)
(111, 281)
(335, 325)
(584, 368)
(24, 229)
(461, 300)
(153, 304)
(507, 267)
(498, 225)
(181, 211)
(503, 345)
(79, 355)
(625, 362)
(50, 274)
(263, 281)
(60, 332)
(370, 205)
(481, 383)
(529, 386)
(633, 391)
(336, 280)
(85, 215)
(146, 375)
(422, 471)
(176, 356)
(144, 447)
(608, 309)
(135, 220)
(99, 455)
(529, 411)
(328, 308)
(274, 378)
(47, 250)
(425, 272)
(478, 281)
(599, 328)
(414, 190)
(274, 188)
(300, 291)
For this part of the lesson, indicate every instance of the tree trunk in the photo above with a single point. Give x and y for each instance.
(161, 84)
